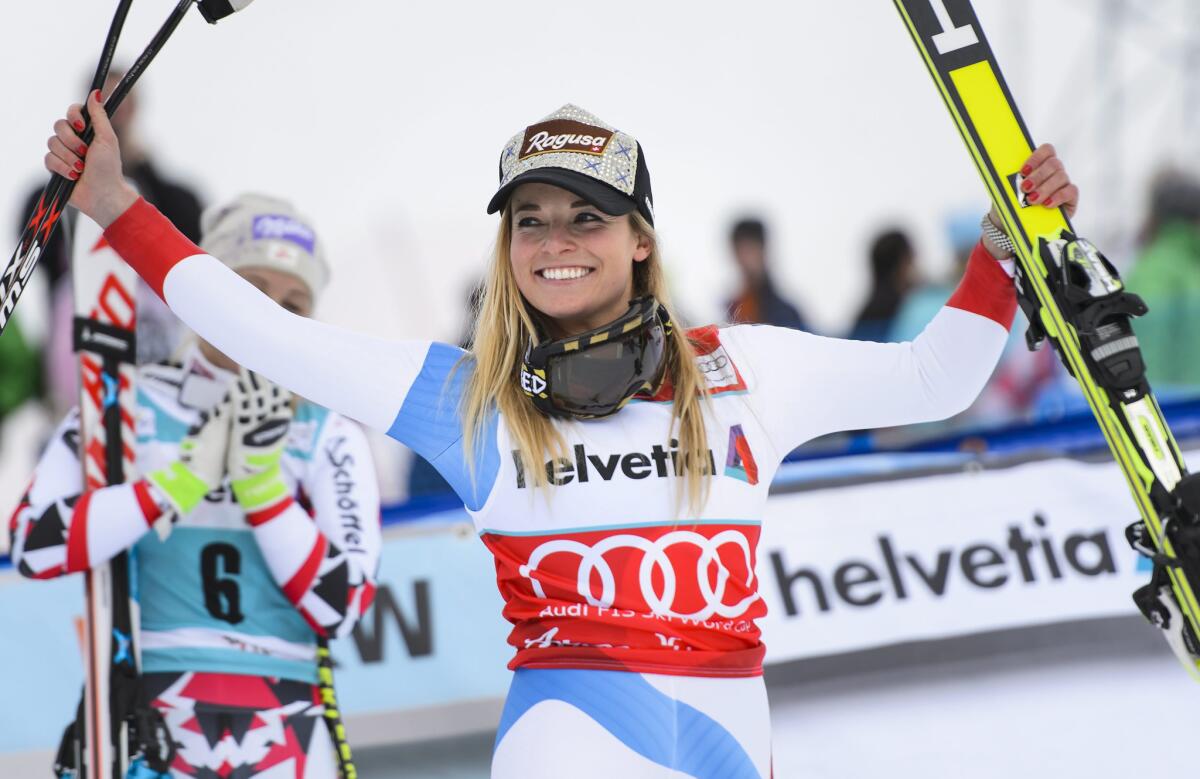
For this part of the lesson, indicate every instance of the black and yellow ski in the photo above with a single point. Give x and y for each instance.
(1073, 296)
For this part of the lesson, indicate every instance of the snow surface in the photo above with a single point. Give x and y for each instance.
(1088, 706)
(991, 720)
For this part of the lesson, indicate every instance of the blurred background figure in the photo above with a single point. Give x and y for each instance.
(927, 296)
(20, 370)
(757, 301)
(158, 330)
(1167, 276)
(893, 275)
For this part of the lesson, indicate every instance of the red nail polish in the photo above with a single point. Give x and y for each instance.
(1048, 202)
(1032, 197)
(96, 95)
(1025, 171)
(74, 175)
(78, 125)
(79, 166)
(1026, 185)
(82, 151)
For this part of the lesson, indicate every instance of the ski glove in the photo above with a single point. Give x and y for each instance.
(201, 464)
(261, 413)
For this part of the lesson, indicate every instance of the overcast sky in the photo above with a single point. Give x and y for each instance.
(384, 121)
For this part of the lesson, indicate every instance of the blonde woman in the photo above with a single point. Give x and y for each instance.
(615, 464)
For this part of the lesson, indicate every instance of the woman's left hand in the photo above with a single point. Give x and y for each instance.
(1047, 183)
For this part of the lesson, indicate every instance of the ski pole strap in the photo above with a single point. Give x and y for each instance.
(333, 715)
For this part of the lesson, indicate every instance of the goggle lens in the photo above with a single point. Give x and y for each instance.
(596, 380)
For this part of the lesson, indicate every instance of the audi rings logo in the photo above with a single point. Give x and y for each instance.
(718, 369)
(655, 558)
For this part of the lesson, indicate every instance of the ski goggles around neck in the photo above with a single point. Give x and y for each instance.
(594, 374)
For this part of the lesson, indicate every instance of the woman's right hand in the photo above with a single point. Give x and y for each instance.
(101, 191)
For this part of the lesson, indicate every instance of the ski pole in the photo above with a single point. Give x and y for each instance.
(43, 222)
(333, 714)
(24, 259)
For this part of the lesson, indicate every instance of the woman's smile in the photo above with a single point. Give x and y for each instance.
(561, 274)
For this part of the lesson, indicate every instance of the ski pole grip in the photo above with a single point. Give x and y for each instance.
(214, 11)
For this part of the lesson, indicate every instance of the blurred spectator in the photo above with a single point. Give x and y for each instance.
(20, 370)
(1167, 276)
(927, 297)
(158, 330)
(758, 302)
(893, 275)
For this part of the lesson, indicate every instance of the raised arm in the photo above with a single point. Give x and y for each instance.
(363, 377)
(808, 385)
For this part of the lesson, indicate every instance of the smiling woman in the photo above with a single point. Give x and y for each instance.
(628, 574)
(572, 253)
(570, 259)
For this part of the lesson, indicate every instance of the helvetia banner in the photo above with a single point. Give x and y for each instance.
(873, 564)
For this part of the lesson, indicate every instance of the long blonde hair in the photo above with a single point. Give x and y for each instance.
(503, 327)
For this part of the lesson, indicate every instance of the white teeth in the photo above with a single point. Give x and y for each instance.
(564, 274)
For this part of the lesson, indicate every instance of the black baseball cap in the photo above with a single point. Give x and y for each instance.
(573, 149)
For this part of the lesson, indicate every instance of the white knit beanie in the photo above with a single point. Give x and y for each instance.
(264, 232)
